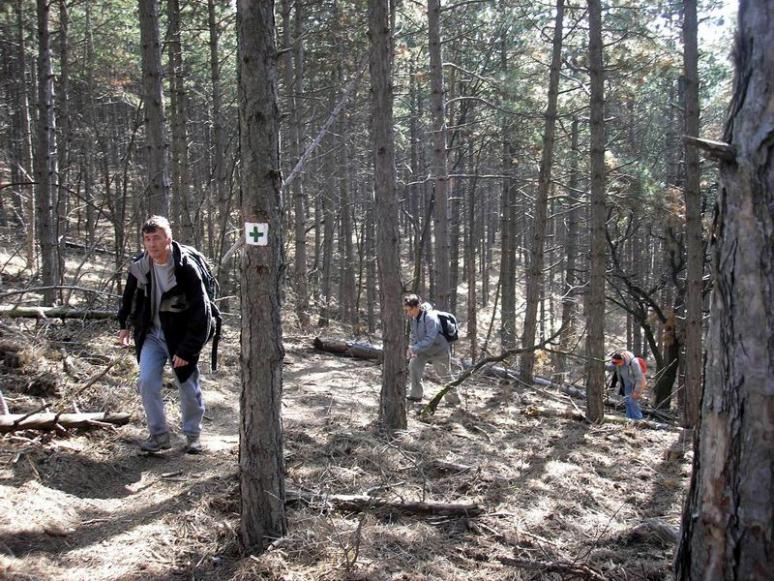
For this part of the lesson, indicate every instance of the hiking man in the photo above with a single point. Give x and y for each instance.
(167, 305)
(427, 344)
(629, 374)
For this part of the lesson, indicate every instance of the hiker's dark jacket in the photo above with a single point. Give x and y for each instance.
(184, 310)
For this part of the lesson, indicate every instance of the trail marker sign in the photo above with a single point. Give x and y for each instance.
(256, 234)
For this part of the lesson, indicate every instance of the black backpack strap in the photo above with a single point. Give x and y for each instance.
(216, 337)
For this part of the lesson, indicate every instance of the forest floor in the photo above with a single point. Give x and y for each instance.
(561, 499)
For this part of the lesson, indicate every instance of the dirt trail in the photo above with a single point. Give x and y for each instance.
(94, 507)
(91, 507)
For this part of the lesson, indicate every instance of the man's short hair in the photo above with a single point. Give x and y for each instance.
(411, 301)
(618, 357)
(157, 223)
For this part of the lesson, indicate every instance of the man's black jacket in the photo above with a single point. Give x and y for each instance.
(184, 310)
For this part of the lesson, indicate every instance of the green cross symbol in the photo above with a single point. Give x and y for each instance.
(255, 234)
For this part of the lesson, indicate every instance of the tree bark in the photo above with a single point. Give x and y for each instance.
(569, 300)
(440, 163)
(262, 481)
(693, 228)
(184, 213)
(535, 279)
(157, 146)
(46, 166)
(595, 312)
(392, 403)
(728, 515)
(23, 166)
(296, 88)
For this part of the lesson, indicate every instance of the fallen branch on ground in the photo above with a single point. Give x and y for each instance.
(50, 421)
(39, 289)
(566, 569)
(581, 417)
(86, 386)
(14, 311)
(360, 503)
(431, 406)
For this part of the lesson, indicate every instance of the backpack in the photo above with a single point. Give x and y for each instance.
(642, 362)
(449, 326)
(205, 272)
(211, 286)
(643, 366)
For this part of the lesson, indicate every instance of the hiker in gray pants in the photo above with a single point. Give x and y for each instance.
(427, 345)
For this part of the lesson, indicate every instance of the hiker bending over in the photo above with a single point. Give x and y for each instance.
(629, 374)
(166, 304)
(427, 344)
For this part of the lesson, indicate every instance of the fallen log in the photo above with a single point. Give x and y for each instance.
(14, 311)
(361, 503)
(349, 348)
(565, 569)
(581, 417)
(49, 421)
(368, 351)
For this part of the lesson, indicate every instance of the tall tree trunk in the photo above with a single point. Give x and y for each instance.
(262, 483)
(46, 169)
(535, 279)
(370, 254)
(222, 192)
(296, 88)
(329, 227)
(23, 139)
(64, 143)
(595, 312)
(347, 282)
(157, 147)
(392, 407)
(726, 526)
(470, 270)
(440, 163)
(89, 113)
(693, 228)
(569, 300)
(184, 213)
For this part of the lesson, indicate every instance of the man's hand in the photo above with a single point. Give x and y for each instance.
(410, 354)
(178, 361)
(636, 394)
(123, 338)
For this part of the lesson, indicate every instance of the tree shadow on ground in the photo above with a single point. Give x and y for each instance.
(97, 526)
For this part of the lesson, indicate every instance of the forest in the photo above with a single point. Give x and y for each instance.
(571, 180)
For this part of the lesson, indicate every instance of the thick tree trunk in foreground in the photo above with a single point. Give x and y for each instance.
(262, 481)
(595, 312)
(728, 516)
(392, 403)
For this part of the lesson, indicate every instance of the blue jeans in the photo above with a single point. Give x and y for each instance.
(633, 411)
(153, 357)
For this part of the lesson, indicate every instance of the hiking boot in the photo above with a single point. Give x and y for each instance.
(156, 443)
(193, 445)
